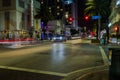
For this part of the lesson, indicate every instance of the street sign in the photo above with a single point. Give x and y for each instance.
(67, 1)
(96, 17)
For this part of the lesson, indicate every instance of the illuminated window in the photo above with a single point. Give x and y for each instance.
(58, 7)
(42, 2)
(61, 9)
(58, 0)
(50, 11)
(49, 7)
(58, 13)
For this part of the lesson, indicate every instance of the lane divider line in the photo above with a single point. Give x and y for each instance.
(33, 71)
(104, 56)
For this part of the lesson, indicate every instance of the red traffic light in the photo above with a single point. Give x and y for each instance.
(86, 17)
(70, 19)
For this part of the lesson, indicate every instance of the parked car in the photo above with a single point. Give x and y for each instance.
(58, 37)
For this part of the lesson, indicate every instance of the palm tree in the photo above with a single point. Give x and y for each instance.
(98, 7)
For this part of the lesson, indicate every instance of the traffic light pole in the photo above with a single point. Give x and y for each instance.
(98, 34)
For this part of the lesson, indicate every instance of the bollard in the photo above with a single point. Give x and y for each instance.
(114, 67)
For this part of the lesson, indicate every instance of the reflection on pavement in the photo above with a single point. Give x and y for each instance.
(58, 52)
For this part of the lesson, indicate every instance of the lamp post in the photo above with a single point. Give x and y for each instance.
(32, 13)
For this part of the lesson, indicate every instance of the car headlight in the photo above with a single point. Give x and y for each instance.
(61, 38)
(54, 38)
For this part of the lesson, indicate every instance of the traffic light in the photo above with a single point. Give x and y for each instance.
(116, 28)
(86, 17)
(70, 19)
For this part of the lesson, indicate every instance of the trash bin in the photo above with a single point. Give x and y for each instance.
(114, 67)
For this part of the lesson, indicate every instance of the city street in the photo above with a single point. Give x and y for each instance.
(51, 61)
(59, 39)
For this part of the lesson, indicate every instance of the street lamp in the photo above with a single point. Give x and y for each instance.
(32, 13)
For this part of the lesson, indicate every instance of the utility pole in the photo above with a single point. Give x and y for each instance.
(74, 13)
(32, 12)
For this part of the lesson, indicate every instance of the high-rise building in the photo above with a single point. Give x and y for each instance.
(17, 16)
(55, 7)
(114, 18)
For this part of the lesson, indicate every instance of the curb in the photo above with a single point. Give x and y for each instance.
(80, 74)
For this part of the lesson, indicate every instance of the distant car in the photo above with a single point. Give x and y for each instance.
(58, 37)
(113, 40)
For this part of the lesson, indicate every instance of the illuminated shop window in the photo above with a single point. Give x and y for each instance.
(58, 0)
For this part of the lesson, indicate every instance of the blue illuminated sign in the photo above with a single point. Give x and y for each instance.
(96, 17)
(67, 1)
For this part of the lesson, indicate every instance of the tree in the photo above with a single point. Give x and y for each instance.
(98, 7)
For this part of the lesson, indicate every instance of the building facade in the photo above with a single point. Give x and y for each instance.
(55, 7)
(17, 17)
(114, 18)
(62, 10)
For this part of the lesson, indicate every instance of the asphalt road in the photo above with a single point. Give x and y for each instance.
(48, 62)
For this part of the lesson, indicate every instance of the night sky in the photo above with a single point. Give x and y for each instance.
(81, 21)
(81, 6)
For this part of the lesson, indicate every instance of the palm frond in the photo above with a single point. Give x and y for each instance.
(97, 7)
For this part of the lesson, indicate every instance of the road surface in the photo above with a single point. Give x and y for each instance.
(55, 60)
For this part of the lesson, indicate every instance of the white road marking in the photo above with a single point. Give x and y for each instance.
(33, 71)
(105, 59)
(94, 68)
